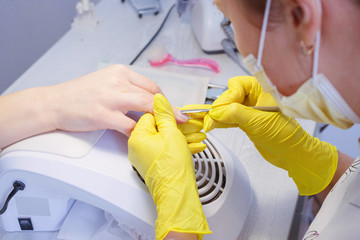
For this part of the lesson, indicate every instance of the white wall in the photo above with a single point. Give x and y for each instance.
(345, 140)
(27, 29)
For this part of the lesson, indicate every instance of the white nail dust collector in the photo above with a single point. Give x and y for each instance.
(42, 176)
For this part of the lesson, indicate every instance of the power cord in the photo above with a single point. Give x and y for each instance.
(141, 52)
(18, 185)
(155, 35)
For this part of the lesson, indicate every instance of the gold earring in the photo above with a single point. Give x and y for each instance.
(306, 50)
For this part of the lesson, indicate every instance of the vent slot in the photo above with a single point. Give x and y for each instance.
(210, 173)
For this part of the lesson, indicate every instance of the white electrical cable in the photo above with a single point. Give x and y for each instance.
(317, 46)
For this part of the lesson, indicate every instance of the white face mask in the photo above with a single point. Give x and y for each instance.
(317, 99)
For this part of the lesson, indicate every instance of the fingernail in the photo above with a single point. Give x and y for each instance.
(183, 116)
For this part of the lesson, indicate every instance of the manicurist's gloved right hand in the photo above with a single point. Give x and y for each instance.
(160, 153)
(279, 138)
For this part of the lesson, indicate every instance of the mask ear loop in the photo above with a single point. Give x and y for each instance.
(263, 32)
(317, 46)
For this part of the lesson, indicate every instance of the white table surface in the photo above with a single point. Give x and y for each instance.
(118, 38)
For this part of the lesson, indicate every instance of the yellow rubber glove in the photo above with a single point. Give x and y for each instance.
(191, 129)
(160, 153)
(280, 139)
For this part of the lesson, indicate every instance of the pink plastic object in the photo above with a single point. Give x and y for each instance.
(197, 62)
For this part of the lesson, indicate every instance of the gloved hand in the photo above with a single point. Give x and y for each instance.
(191, 129)
(160, 153)
(280, 139)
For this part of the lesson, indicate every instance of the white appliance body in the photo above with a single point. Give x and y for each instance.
(59, 168)
(205, 23)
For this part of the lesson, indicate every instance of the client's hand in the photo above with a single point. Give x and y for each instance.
(101, 99)
(96, 101)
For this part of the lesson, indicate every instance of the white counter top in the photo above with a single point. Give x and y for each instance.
(119, 37)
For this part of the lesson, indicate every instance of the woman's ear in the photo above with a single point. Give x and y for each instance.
(305, 19)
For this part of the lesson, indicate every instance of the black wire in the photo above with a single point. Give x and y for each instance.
(139, 54)
(155, 35)
(18, 185)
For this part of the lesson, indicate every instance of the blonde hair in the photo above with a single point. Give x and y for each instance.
(257, 8)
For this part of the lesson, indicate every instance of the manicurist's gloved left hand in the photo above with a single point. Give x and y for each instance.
(159, 151)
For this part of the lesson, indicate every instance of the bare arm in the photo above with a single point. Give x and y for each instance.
(344, 163)
(99, 100)
(23, 114)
